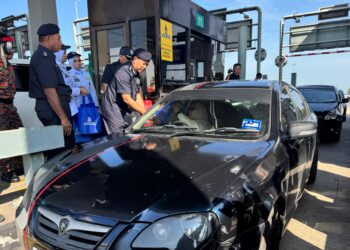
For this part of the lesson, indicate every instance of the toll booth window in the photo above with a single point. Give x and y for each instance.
(174, 72)
(143, 36)
(217, 67)
(197, 58)
(109, 43)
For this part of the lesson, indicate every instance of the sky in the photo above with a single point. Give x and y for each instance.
(321, 69)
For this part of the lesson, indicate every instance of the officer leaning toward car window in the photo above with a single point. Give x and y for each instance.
(47, 86)
(122, 103)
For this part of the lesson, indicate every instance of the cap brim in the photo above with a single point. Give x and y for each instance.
(65, 47)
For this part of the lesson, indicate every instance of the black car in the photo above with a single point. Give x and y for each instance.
(217, 165)
(327, 105)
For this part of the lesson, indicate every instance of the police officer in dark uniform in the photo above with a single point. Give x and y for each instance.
(125, 54)
(122, 102)
(47, 85)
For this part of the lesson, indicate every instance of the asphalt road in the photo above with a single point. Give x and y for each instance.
(322, 220)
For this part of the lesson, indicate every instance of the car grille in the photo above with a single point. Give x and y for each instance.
(74, 234)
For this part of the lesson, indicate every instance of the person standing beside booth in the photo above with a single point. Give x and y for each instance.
(9, 118)
(61, 58)
(80, 80)
(47, 86)
(122, 103)
(235, 75)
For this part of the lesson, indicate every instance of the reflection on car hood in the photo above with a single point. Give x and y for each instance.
(148, 176)
(321, 107)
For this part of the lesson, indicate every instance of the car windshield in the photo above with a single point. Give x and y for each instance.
(234, 112)
(319, 95)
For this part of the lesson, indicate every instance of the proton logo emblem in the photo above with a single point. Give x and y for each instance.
(63, 225)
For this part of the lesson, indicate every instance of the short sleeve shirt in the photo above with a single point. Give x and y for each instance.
(109, 72)
(45, 73)
(124, 82)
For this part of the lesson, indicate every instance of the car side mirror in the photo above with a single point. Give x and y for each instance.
(345, 100)
(302, 129)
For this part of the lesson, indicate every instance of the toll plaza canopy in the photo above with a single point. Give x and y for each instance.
(185, 40)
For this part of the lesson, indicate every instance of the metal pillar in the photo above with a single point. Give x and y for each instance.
(242, 50)
(40, 12)
(280, 72)
(20, 44)
(293, 79)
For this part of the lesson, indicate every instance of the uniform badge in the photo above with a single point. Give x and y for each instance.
(45, 53)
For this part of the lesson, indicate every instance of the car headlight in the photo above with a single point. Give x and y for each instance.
(186, 231)
(332, 115)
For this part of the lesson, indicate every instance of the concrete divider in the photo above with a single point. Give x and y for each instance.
(30, 143)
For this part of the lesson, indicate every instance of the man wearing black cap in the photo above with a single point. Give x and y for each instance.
(125, 54)
(47, 86)
(122, 102)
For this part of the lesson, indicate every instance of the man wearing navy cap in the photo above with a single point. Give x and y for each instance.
(125, 54)
(122, 102)
(47, 86)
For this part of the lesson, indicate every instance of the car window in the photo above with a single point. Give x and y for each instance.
(204, 111)
(300, 105)
(288, 112)
(314, 95)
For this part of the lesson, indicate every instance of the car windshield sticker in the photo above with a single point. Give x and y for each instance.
(251, 124)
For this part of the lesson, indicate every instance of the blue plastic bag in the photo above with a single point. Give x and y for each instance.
(89, 118)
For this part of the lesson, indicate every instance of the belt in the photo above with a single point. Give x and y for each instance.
(62, 99)
(6, 101)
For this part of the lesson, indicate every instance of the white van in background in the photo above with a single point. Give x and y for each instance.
(24, 104)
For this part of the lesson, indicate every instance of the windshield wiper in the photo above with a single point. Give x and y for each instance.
(223, 130)
(166, 126)
(227, 130)
(184, 133)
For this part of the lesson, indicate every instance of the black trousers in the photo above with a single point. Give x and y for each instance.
(48, 117)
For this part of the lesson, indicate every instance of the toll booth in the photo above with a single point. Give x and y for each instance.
(185, 40)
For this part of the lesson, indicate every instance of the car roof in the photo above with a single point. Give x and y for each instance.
(265, 84)
(316, 87)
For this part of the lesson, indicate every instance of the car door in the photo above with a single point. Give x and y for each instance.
(308, 143)
(295, 148)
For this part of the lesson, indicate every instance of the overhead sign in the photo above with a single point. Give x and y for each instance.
(335, 11)
(166, 40)
(325, 35)
(280, 61)
(233, 34)
(262, 54)
(199, 20)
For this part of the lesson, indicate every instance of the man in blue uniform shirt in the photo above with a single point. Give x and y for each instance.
(122, 102)
(47, 86)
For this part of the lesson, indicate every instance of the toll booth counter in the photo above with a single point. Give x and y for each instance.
(185, 40)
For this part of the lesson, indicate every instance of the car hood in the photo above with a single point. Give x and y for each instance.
(322, 107)
(142, 178)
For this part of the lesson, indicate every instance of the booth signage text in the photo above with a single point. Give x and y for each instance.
(166, 40)
(199, 20)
